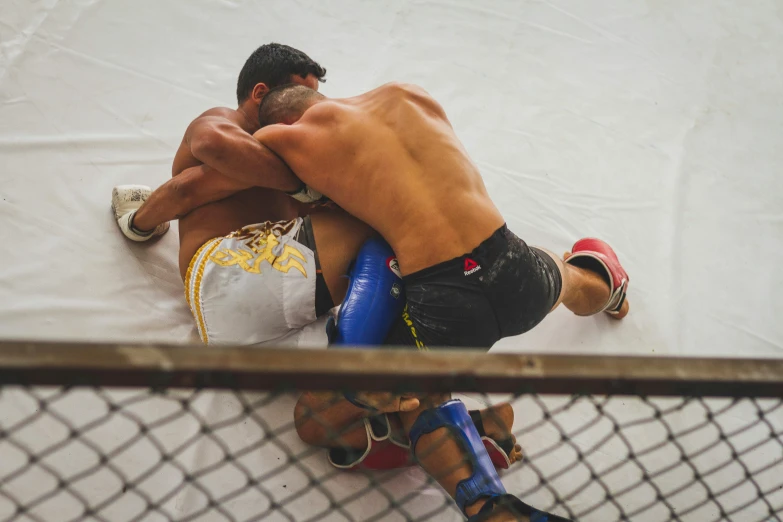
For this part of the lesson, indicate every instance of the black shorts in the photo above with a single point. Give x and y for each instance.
(501, 288)
(323, 298)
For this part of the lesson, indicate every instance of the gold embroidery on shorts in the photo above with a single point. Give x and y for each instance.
(197, 311)
(263, 244)
(191, 266)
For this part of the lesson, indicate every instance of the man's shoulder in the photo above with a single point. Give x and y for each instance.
(220, 112)
(217, 117)
(418, 95)
(319, 113)
(406, 87)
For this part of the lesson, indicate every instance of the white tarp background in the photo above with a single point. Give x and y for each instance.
(656, 125)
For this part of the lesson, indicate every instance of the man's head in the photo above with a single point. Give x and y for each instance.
(272, 65)
(286, 104)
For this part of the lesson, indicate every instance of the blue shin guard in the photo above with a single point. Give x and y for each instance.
(375, 297)
(374, 300)
(453, 415)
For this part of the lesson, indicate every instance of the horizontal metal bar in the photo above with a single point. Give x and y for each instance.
(242, 367)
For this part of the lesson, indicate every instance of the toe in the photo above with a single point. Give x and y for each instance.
(623, 311)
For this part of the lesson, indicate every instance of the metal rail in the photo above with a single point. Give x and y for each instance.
(198, 366)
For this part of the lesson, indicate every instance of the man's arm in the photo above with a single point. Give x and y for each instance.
(221, 144)
(183, 193)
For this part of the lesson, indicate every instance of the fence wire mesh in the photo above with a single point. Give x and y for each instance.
(115, 455)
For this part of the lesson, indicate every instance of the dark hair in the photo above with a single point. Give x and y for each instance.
(284, 102)
(273, 64)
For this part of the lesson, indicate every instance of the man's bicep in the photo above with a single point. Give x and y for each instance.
(211, 138)
(224, 146)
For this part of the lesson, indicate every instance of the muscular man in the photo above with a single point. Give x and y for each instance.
(391, 158)
(249, 262)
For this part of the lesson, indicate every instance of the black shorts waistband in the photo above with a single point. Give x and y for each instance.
(498, 237)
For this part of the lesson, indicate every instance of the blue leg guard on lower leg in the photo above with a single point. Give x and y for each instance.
(374, 300)
(454, 416)
(375, 297)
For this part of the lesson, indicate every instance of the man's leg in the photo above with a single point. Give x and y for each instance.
(442, 432)
(584, 291)
(338, 238)
(449, 450)
(328, 422)
(445, 439)
(440, 454)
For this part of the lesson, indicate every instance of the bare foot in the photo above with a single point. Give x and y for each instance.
(624, 309)
(498, 421)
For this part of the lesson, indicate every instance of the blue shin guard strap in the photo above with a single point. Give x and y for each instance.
(375, 297)
(453, 415)
(517, 508)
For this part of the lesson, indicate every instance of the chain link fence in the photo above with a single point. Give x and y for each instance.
(71, 453)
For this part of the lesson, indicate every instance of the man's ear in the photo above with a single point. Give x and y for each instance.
(259, 91)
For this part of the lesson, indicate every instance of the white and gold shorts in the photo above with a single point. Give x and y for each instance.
(254, 285)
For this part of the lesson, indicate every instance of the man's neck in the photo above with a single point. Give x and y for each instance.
(249, 113)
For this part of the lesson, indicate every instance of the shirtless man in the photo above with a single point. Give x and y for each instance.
(249, 262)
(239, 291)
(391, 158)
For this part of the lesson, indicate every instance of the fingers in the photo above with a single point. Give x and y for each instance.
(386, 402)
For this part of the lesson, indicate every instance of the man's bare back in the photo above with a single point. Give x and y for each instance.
(253, 205)
(391, 158)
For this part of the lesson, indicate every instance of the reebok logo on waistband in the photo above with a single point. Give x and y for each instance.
(471, 267)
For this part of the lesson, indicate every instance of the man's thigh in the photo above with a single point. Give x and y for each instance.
(338, 237)
(554, 262)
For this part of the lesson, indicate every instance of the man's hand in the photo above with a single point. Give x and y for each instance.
(125, 201)
(307, 195)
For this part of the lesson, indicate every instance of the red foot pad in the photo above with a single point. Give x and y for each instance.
(496, 454)
(602, 253)
(387, 455)
(383, 451)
